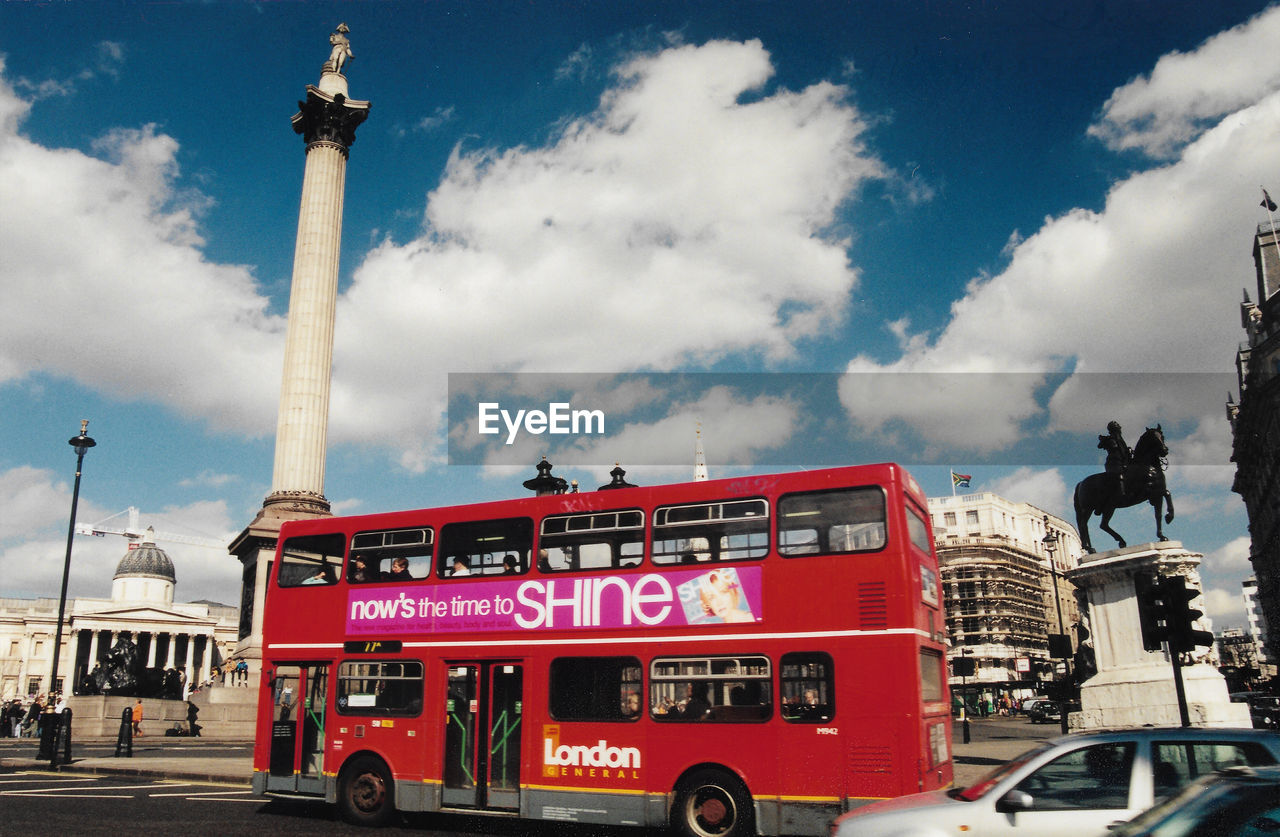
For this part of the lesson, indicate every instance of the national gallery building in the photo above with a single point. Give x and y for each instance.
(139, 635)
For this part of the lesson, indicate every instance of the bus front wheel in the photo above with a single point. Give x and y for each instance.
(365, 792)
(712, 803)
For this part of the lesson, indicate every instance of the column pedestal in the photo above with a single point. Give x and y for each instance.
(1133, 686)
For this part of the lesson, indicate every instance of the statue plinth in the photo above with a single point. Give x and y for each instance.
(1133, 686)
(332, 84)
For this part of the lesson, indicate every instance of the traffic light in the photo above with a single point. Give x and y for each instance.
(1153, 613)
(1183, 635)
(963, 667)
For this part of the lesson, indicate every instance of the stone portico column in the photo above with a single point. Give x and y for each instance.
(206, 664)
(187, 668)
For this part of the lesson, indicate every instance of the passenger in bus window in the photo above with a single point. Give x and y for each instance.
(460, 567)
(630, 703)
(400, 570)
(696, 706)
(359, 572)
(510, 565)
(322, 575)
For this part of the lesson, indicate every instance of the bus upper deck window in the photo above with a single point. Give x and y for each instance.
(391, 555)
(733, 530)
(485, 547)
(838, 521)
(311, 560)
(591, 541)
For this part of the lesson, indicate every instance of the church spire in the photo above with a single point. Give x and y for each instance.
(699, 458)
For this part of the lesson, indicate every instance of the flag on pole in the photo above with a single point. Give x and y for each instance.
(1267, 202)
(960, 480)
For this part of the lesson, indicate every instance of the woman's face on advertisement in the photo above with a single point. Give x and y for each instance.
(721, 597)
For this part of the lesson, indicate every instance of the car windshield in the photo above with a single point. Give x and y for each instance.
(980, 787)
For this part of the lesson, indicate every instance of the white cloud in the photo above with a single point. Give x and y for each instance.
(677, 224)
(33, 542)
(1224, 608)
(1163, 111)
(32, 500)
(1137, 287)
(1230, 557)
(1043, 488)
(107, 244)
(734, 429)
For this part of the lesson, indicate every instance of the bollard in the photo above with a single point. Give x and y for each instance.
(48, 736)
(64, 736)
(55, 743)
(124, 740)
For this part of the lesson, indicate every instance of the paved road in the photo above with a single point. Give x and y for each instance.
(44, 802)
(199, 786)
(993, 741)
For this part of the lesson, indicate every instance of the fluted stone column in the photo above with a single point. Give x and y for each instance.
(327, 121)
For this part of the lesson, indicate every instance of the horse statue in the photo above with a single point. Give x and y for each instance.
(1142, 482)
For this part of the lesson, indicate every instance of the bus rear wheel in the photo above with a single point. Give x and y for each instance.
(366, 792)
(713, 803)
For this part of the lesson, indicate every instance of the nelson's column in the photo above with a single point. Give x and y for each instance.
(327, 121)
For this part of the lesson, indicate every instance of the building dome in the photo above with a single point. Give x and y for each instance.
(147, 560)
(144, 574)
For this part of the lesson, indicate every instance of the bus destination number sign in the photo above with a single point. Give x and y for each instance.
(371, 646)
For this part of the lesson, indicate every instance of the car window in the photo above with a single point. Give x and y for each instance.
(1262, 821)
(1176, 764)
(991, 779)
(1091, 778)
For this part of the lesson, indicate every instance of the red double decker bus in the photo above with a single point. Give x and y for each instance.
(736, 656)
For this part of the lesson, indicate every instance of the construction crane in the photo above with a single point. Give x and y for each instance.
(138, 536)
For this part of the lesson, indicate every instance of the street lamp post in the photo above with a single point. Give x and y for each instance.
(81, 443)
(1051, 546)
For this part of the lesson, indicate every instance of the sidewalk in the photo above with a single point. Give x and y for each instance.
(192, 760)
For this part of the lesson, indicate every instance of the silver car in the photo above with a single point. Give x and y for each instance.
(1071, 786)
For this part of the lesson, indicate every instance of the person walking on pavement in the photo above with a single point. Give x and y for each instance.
(33, 717)
(193, 712)
(137, 717)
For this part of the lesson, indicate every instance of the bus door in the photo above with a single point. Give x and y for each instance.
(299, 697)
(483, 712)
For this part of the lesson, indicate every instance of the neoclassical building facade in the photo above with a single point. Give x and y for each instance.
(189, 638)
(1003, 567)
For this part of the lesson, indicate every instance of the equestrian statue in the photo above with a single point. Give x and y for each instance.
(1129, 478)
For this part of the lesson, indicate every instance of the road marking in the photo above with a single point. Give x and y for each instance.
(189, 795)
(109, 787)
(29, 781)
(64, 796)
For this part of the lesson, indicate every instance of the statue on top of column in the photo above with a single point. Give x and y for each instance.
(341, 52)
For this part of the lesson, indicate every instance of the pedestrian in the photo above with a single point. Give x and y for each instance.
(193, 712)
(137, 718)
(242, 672)
(16, 714)
(32, 720)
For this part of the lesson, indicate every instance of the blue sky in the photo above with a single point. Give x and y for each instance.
(988, 228)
